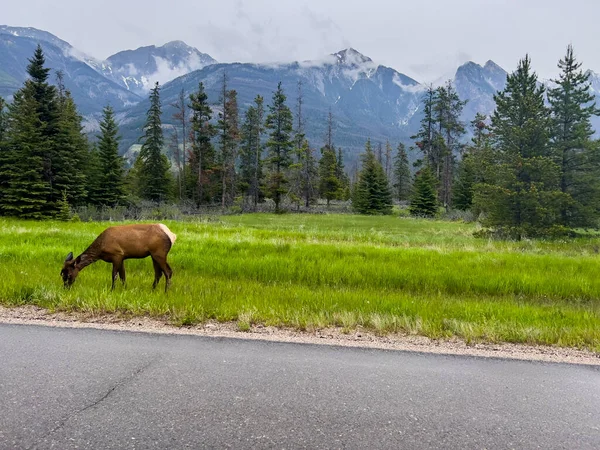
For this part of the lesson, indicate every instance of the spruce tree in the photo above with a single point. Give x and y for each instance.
(4, 156)
(280, 145)
(424, 198)
(69, 157)
(371, 194)
(251, 164)
(572, 106)
(155, 180)
(342, 176)
(112, 173)
(202, 157)
(330, 187)
(524, 197)
(229, 136)
(402, 181)
(26, 189)
(476, 166)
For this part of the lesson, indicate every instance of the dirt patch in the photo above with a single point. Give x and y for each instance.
(30, 315)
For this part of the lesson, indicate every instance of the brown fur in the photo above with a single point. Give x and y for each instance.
(116, 244)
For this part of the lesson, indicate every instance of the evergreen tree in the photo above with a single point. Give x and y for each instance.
(330, 187)
(425, 138)
(572, 106)
(112, 175)
(26, 189)
(523, 198)
(280, 145)
(4, 156)
(93, 175)
(251, 164)
(202, 156)
(424, 199)
(180, 115)
(155, 180)
(371, 194)
(402, 180)
(448, 109)
(229, 138)
(70, 150)
(342, 176)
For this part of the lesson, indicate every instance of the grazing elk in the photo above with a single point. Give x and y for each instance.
(116, 244)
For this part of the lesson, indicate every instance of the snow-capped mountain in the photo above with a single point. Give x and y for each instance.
(91, 90)
(366, 99)
(138, 70)
(478, 84)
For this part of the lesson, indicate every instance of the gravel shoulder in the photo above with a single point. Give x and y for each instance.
(30, 315)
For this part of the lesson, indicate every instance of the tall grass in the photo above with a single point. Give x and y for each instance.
(313, 271)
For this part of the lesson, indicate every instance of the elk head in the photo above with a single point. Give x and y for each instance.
(70, 270)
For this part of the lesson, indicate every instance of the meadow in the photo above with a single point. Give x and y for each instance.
(384, 274)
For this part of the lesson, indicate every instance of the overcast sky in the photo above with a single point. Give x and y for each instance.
(425, 39)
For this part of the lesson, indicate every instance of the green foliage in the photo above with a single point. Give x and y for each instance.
(402, 181)
(523, 197)
(280, 144)
(571, 107)
(229, 137)
(330, 186)
(251, 164)
(111, 176)
(201, 178)
(371, 193)
(155, 182)
(424, 199)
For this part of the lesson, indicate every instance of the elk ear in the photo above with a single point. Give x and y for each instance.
(69, 257)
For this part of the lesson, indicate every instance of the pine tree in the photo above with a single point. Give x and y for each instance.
(425, 138)
(251, 164)
(448, 109)
(180, 115)
(330, 187)
(26, 189)
(93, 174)
(475, 165)
(402, 181)
(229, 139)
(523, 198)
(572, 106)
(4, 156)
(424, 199)
(70, 150)
(112, 174)
(371, 194)
(280, 145)
(202, 155)
(155, 180)
(342, 176)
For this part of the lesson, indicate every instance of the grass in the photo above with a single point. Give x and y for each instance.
(386, 274)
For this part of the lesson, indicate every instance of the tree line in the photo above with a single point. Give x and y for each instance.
(532, 168)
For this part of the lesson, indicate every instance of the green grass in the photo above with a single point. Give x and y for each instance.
(386, 274)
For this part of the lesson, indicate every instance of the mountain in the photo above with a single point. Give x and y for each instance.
(91, 90)
(138, 70)
(478, 84)
(366, 99)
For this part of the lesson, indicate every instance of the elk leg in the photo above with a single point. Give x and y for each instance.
(115, 274)
(157, 272)
(164, 268)
(122, 273)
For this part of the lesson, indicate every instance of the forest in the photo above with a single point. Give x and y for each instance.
(529, 170)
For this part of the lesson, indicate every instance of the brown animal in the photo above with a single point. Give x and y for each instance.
(116, 244)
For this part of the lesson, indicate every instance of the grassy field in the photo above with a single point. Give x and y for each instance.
(386, 274)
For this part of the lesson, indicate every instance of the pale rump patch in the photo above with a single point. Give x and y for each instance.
(172, 236)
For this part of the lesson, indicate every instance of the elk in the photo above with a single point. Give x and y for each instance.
(118, 243)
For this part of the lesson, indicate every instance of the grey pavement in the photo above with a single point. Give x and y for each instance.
(81, 388)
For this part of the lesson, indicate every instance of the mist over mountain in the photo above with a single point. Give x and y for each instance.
(367, 100)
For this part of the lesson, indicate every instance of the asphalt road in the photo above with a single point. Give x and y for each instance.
(76, 388)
